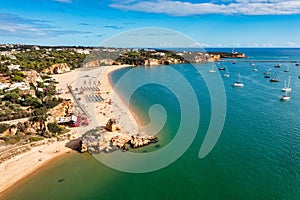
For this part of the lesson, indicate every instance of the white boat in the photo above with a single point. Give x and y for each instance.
(212, 70)
(285, 97)
(252, 64)
(287, 88)
(255, 69)
(226, 74)
(287, 69)
(239, 82)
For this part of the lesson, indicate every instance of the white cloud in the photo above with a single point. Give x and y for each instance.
(180, 8)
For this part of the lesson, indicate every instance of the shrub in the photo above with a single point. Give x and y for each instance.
(3, 127)
(54, 128)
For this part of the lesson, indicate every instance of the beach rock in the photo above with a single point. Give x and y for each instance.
(112, 125)
(57, 68)
(83, 147)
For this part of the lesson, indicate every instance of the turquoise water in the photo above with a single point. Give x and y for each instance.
(256, 157)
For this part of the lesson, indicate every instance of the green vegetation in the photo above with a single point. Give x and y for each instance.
(54, 128)
(3, 127)
(42, 59)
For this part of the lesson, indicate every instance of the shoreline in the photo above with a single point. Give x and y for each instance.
(23, 165)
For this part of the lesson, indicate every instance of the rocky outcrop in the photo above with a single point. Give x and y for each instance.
(82, 147)
(140, 141)
(99, 139)
(63, 109)
(57, 68)
(101, 62)
(112, 126)
(33, 77)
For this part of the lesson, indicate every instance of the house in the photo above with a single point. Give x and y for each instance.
(13, 67)
(4, 85)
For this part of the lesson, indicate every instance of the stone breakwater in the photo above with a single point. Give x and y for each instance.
(101, 140)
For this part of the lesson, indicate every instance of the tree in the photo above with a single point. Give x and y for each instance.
(3, 127)
(54, 128)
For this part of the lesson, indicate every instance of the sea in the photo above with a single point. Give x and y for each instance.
(255, 153)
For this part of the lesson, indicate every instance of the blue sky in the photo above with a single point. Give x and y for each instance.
(212, 23)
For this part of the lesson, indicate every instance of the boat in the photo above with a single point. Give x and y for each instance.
(297, 64)
(268, 72)
(226, 74)
(278, 65)
(285, 97)
(255, 69)
(287, 88)
(233, 62)
(221, 68)
(239, 82)
(252, 64)
(275, 79)
(212, 70)
(287, 69)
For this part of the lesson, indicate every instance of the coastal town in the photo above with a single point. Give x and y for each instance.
(60, 99)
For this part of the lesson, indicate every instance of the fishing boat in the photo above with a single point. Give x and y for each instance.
(239, 82)
(285, 97)
(212, 70)
(275, 79)
(287, 88)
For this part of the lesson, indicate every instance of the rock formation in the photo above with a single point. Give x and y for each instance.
(63, 109)
(112, 125)
(57, 68)
(33, 77)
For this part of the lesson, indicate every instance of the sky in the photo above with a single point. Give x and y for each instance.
(211, 23)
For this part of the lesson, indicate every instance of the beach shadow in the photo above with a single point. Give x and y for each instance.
(74, 144)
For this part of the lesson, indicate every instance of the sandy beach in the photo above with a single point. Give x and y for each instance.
(20, 166)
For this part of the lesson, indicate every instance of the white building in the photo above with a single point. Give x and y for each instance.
(13, 67)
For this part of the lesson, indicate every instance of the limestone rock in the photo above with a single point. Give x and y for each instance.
(112, 125)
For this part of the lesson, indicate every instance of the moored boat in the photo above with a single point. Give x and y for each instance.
(238, 83)
(275, 79)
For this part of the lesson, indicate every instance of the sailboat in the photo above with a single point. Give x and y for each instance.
(287, 69)
(276, 79)
(287, 88)
(285, 97)
(212, 70)
(239, 82)
(267, 73)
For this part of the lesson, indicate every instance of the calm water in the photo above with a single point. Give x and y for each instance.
(256, 157)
